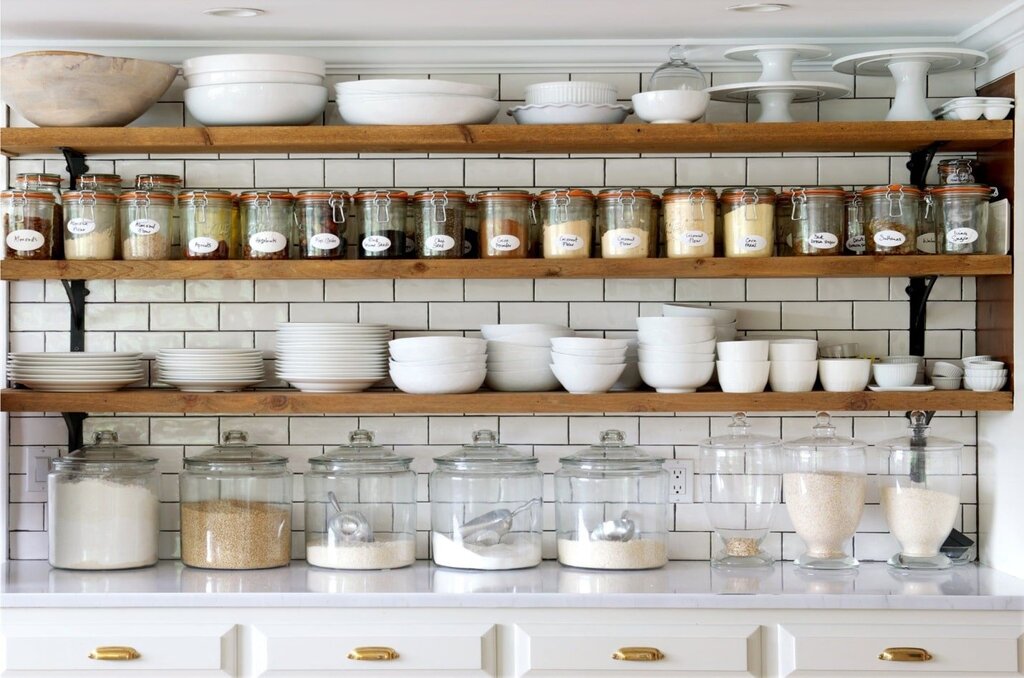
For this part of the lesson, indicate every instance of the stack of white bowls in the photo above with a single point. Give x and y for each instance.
(946, 376)
(565, 102)
(415, 102)
(677, 355)
(588, 364)
(630, 379)
(438, 365)
(794, 364)
(519, 356)
(207, 370)
(255, 89)
(982, 373)
(743, 366)
(75, 372)
(332, 357)
(724, 318)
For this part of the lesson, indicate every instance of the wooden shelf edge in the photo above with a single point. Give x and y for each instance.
(485, 402)
(773, 267)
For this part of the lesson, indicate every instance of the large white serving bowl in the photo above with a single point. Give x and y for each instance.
(455, 361)
(647, 356)
(585, 344)
(671, 105)
(666, 377)
(588, 378)
(431, 381)
(743, 351)
(439, 370)
(507, 331)
(721, 316)
(568, 359)
(707, 346)
(526, 354)
(672, 324)
(435, 348)
(232, 77)
(273, 103)
(745, 377)
(844, 375)
(792, 376)
(390, 86)
(214, 63)
(416, 109)
(541, 379)
(674, 337)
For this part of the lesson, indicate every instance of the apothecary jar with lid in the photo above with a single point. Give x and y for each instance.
(824, 486)
(485, 507)
(612, 507)
(103, 507)
(236, 507)
(360, 507)
(741, 487)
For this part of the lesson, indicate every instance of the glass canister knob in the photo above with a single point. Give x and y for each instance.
(485, 437)
(824, 428)
(613, 438)
(360, 437)
(235, 438)
(105, 437)
(739, 425)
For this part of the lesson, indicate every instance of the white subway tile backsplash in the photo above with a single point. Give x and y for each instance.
(554, 313)
(401, 316)
(640, 172)
(429, 173)
(608, 315)
(782, 171)
(289, 290)
(500, 172)
(569, 172)
(183, 317)
(421, 289)
(811, 315)
(569, 289)
(217, 173)
(117, 316)
(850, 289)
(702, 290)
(711, 171)
(285, 174)
(642, 289)
(218, 290)
(872, 315)
(781, 289)
(486, 289)
(321, 313)
(359, 290)
(853, 171)
(363, 173)
(464, 316)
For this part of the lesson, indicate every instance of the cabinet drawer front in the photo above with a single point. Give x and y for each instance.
(198, 649)
(853, 649)
(422, 649)
(586, 650)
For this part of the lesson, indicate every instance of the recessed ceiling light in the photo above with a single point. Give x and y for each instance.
(759, 7)
(234, 12)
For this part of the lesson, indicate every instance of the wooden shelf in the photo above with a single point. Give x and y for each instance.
(789, 267)
(484, 402)
(874, 136)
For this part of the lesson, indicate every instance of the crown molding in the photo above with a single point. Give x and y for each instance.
(1002, 37)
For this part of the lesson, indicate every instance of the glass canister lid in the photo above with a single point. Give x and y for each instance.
(918, 438)
(235, 454)
(612, 454)
(104, 454)
(361, 455)
(486, 454)
(823, 438)
(677, 73)
(739, 437)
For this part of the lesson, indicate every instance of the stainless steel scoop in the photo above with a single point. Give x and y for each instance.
(489, 528)
(622, 529)
(348, 525)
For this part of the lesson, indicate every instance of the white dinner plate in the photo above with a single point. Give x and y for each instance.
(336, 386)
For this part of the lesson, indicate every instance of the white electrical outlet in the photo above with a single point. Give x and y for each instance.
(680, 482)
(36, 462)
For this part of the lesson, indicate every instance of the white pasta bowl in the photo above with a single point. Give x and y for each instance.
(676, 377)
(392, 86)
(671, 106)
(585, 344)
(989, 381)
(894, 375)
(220, 63)
(703, 347)
(743, 351)
(676, 337)
(792, 376)
(539, 379)
(271, 103)
(720, 316)
(435, 348)
(569, 114)
(844, 375)
(232, 77)
(416, 109)
(423, 381)
(947, 383)
(569, 359)
(588, 378)
(743, 377)
(649, 356)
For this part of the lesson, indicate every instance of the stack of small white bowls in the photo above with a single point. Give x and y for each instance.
(677, 355)
(332, 357)
(981, 373)
(415, 101)
(255, 89)
(947, 376)
(724, 318)
(438, 365)
(565, 102)
(794, 364)
(588, 364)
(743, 366)
(519, 356)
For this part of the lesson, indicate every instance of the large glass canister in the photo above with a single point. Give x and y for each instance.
(107, 183)
(268, 224)
(360, 507)
(742, 475)
(206, 217)
(957, 171)
(28, 224)
(439, 223)
(506, 224)
(485, 507)
(146, 219)
(612, 507)
(90, 225)
(320, 223)
(854, 224)
(103, 507)
(921, 494)
(891, 216)
(748, 221)
(824, 486)
(961, 217)
(567, 222)
(817, 220)
(381, 215)
(688, 215)
(626, 223)
(236, 507)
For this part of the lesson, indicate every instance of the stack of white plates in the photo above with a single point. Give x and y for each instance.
(207, 370)
(77, 372)
(332, 357)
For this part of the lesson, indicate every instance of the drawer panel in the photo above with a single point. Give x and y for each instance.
(422, 649)
(175, 649)
(807, 650)
(586, 650)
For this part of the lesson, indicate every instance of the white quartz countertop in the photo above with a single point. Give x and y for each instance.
(678, 585)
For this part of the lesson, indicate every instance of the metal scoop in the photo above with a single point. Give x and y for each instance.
(488, 529)
(622, 529)
(348, 525)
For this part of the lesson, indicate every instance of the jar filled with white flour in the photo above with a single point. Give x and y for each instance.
(103, 507)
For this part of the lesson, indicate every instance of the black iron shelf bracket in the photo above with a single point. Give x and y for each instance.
(76, 291)
(74, 422)
(919, 289)
(76, 166)
(921, 161)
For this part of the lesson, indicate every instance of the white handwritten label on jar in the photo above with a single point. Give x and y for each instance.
(926, 243)
(889, 238)
(440, 243)
(81, 226)
(202, 245)
(753, 243)
(568, 241)
(268, 242)
(144, 227)
(627, 241)
(823, 241)
(695, 238)
(325, 241)
(961, 236)
(505, 243)
(376, 243)
(25, 240)
(856, 243)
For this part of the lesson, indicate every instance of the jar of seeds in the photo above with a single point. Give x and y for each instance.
(320, 217)
(439, 223)
(28, 224)
(207, 217)
(268, 222)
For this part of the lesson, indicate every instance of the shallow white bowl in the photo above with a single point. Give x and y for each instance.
(571, 92)
(428, 382)
(585, 344)
(985, 383)
(672, 324)
(844, 375)
(512, 329)
(237, 76)
(567, 359)
(276, 103)
(390, 86)
(687, 335)
(541, 379)
(894, 375)
(417, 109)
(705, 347)
(569, 114)
(792, 376)
(974, 358)
(213, 63)
(665, 377)
(984, 365)
(675, 357)
(743, 377)
(671, 106)
(455, 362)
(588, 378)
(435, 348)
(721, 316)
(743, 351)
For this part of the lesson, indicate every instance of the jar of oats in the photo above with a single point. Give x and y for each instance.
(689, 215)
(146, 221)
(748, 221)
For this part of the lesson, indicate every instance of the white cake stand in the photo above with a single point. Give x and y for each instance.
(910, 68)
(777, 60)
(775, 97)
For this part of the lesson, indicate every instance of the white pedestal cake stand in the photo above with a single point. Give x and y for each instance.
(775, 97)
(777, 60)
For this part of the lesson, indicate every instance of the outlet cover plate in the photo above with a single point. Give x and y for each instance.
(680, 482)
(36, 462)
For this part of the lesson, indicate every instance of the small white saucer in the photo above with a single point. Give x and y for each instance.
(917, 388)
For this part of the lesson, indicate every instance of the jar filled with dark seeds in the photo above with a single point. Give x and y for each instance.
(320, 218)
(268, 224)
(381, 214)
(439, 224)
(28, 224)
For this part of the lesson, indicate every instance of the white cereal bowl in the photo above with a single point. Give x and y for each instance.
(743, 377)
(435, 348)
(974, 358)
(217, 63)
(275, 103)
(947, 383)
(793, 349)
(568, 359)
(985, 365)
(686, 335)
(541, 379)
(672, 324)
(894, 375)
(946, 369)
(588, 378)
(514, 329)
(721, 316)
(844, 375)
(667, 377)
(649, 356)
(985, 383)
(743, 351)
(671, 106)
(583, 344)
(425, 382)
(792, 376)
(454, 365)
(704, 347)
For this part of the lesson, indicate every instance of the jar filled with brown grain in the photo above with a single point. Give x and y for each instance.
(320, 222)
(506, 223)
(90, 225)
(381, 216)
(626, 223)
(268, 223)
(46, 183)
(207, 220)
(892, 215)
(439, 223)
(28, 224)
(146, 224)
(567, 222)
(689, 215)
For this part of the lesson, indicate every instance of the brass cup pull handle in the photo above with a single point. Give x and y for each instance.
(905, 654)
(638, 654)
(372, 654)
(114, 653)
